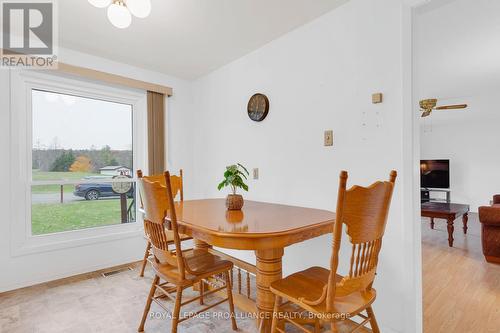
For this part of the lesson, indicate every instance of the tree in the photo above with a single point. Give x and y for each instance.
(81, 164)
(63, 162)
(106, 156)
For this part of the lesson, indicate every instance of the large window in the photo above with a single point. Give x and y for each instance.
(82, 162)
(74, 152)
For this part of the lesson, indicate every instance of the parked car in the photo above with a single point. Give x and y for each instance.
(94, 191)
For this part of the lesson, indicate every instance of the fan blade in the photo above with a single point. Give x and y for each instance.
(451, 107)
(426, 113)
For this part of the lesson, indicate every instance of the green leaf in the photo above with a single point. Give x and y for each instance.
(244, 169)
(221, 185)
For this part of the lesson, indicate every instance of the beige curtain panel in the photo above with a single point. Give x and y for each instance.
(156, 132)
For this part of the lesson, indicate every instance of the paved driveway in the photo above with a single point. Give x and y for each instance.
(41, 198)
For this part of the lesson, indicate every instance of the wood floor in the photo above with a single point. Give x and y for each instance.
(461, 295)
(461, 290)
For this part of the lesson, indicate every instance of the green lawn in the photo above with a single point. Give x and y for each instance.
(44, 175)
(51, 218)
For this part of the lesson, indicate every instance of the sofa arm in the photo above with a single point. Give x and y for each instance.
(489, 215)
(496, 199)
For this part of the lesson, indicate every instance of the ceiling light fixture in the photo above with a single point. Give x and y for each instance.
(120, 11)
(139, 8)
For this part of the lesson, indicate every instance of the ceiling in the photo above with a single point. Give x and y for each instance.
(185, 38)
(457, 48)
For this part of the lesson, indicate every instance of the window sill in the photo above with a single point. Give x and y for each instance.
(77, 238)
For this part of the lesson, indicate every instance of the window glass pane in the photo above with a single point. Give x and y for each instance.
(86, 141)
(74, 134)
(57, 208)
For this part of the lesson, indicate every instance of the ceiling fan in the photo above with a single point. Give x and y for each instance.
(429, 105)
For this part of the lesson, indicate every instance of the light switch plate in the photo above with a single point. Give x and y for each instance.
(328, 138)
(256, 173)
(377, 98)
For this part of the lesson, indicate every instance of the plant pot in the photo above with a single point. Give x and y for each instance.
(234, 202)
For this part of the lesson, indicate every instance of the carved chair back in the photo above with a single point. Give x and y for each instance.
(177, 182)
(363, 211)
(158, 203)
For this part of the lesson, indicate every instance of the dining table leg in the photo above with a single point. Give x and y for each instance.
(269, 269)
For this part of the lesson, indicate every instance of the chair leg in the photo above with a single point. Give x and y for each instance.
(177, 309)
(148, 303)
(202, 292)
(274, 323)
(145, 260)
(373, 321)
(333, 323)
(317, 325)
(229, 288)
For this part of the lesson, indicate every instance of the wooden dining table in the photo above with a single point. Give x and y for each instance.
(265, 228)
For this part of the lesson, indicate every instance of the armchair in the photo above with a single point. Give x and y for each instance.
(490, 230)
(496, 199)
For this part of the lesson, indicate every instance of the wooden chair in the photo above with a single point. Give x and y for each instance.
(177, 190)
(177, 268)
(323, 293)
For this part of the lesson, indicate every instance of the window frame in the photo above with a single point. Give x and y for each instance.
(22, 84)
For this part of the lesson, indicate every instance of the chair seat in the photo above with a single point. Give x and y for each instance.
(201, 263)
(309, 284)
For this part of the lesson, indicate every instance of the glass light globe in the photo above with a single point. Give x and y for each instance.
(139, 8)
(119, 15)
(100, 3)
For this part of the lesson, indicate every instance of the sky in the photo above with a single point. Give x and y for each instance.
(73, 122)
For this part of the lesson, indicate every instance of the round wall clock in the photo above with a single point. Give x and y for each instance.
(258, 107)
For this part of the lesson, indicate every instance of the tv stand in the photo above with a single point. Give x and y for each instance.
(426, 197)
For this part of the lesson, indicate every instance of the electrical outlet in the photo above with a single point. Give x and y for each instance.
(256, 173)
(328, 138)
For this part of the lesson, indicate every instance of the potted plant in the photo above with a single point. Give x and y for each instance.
(233, 177)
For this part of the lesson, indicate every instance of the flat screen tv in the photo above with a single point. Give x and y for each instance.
(435, 173)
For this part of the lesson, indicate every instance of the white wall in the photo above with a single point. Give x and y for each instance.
(456, 60)
(19, 271)
(320, 76)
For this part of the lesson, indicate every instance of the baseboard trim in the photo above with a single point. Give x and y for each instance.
(70, 274)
